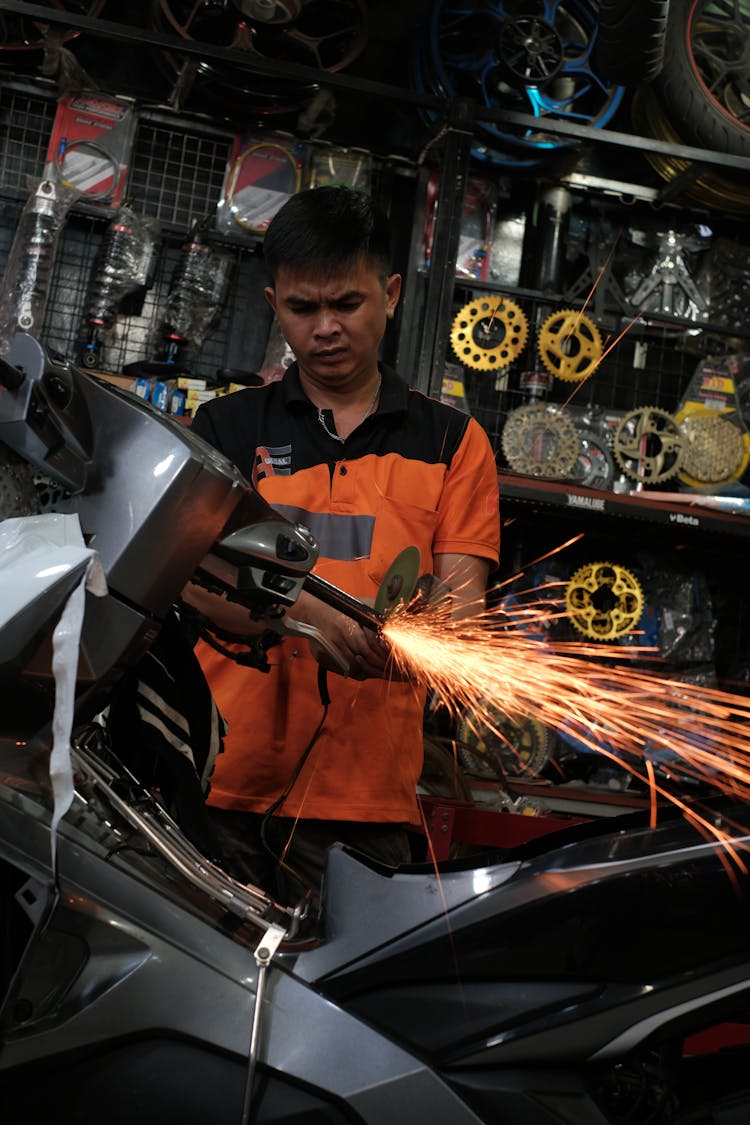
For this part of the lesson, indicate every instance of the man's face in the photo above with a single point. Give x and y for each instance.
(334, 325)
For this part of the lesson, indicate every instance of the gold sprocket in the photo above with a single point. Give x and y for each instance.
(648, 444)
(489, 333)
(570, 345)
(604, 601)
(540, 441)
(492, 744)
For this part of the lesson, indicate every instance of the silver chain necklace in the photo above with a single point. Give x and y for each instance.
(367, 413)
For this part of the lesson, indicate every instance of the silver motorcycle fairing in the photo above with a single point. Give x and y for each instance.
(136, 956)
(601, 988)
(153, 500)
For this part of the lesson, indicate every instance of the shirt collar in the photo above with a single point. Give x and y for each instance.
(393, 390)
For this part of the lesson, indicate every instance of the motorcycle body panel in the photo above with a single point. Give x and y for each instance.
(499, 985)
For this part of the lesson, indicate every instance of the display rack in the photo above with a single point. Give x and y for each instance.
(683, 520)
(175, 178)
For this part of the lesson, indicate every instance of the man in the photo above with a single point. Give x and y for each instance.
(344, 447)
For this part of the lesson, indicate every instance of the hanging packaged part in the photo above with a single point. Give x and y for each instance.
(197, 293)
(28, 271)
(124, 271)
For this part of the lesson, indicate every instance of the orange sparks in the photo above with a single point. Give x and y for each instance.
(485, 664)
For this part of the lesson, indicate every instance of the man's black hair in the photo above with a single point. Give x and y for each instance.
(328, 229)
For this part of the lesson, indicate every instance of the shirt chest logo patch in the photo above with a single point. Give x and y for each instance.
(272, 461)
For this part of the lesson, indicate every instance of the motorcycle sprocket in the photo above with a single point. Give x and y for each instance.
(540, 441)
(604, 601)
(496, 745)
(570, 345)
(648, 445)
(489, 333)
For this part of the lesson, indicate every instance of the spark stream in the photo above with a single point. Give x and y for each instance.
(477, 666)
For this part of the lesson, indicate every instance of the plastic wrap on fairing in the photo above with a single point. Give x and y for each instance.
(150, 496)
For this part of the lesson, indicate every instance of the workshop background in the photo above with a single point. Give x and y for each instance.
(569, 188)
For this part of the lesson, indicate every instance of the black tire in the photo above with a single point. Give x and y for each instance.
(630, 44)
(696, 49)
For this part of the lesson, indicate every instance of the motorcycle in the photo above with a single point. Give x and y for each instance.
(596, 975)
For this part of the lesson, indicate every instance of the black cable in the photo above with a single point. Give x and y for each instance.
(197, 625)
(256, 646)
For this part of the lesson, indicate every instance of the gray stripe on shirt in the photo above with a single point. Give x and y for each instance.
(343, 538)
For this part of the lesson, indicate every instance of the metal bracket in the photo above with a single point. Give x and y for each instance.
(263, 954)
(668, 273)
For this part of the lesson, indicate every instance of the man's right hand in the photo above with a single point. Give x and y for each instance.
(365, 651)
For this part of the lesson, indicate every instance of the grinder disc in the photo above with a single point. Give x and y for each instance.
(400, 581)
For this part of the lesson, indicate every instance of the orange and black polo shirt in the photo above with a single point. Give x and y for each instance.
(416, 472)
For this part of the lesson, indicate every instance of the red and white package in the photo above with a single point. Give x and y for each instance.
(90, 146)
(261, 174)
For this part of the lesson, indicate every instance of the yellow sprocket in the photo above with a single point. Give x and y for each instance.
(570, 345)
(604, 601)
(489, 333)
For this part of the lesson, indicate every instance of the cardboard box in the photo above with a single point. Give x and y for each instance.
(187, 383)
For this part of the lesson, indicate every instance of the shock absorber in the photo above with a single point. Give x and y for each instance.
(28, 273)
(197, 293)
(37, 232)
(125, 269)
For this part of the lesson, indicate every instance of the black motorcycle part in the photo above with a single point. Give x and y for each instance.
(322, 34)
(410, 989)
(145, 1081)
(631, 40)
(704, 84)
(533, 58)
